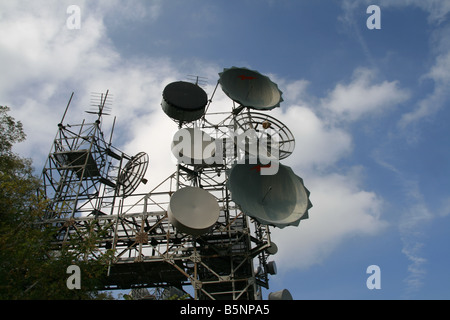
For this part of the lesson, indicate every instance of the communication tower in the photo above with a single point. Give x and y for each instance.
(208, 224)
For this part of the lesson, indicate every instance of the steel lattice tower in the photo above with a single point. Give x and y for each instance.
(91, 189)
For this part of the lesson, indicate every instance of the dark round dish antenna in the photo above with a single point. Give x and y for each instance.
(184, 101)
(250, 88)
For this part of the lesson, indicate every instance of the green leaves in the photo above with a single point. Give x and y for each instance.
(10, 131)
(30, 268)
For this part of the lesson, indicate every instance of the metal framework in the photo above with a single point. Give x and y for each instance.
(85, 178)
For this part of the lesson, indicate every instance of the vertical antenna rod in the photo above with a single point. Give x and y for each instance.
(67, 107)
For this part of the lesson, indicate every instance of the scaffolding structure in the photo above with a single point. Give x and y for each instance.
(91, 189)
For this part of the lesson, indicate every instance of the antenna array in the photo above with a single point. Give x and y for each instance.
(207, 225)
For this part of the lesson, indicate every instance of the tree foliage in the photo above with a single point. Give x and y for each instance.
(30, 268)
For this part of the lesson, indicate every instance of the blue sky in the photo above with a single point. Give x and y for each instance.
(369, 110)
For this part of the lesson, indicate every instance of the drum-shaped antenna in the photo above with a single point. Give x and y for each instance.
(250, 88)
(279, 200)
(184, 101)
(280, 295)
(133, 173)
(193, 211)
(193, 146)
(266, 136)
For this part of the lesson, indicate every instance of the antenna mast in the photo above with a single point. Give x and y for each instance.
(207, 225)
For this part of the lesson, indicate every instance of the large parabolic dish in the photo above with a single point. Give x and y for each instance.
(193, 211)
(250, 88)
(279, 200)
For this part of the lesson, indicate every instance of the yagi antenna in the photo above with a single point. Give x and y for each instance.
(101, 102)
(199, 81)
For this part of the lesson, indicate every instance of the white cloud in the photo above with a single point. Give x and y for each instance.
(317, 145)
(342, 210)
(294, 92)
(46, 61)
(440, 75)
(445, 207)
(411, 228)
(438, 13)
(361, 97)
(415, 211)
(413, 221)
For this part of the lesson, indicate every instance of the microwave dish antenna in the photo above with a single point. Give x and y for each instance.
(267, 136)
(281, 295)
(250, 88)
(133, 173)
(208, 224)
(278, 200)
(193, 211)
(184, 101)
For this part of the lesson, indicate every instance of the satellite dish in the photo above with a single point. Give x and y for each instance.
(193, 211)
(268, 138)
(279, 200)
(133, 173)
(193, 146)
(250, 88)
(273, 249)
(184, 101)
(280, 295)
